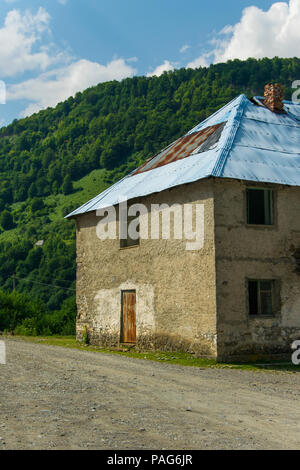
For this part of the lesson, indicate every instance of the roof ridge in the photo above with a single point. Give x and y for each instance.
(201, 124)
(281, 124)
(231, 127)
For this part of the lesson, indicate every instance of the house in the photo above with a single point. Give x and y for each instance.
(235, 291)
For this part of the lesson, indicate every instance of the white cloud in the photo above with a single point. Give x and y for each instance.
(19, 37)
(63, 2)
(258, 34)
(57, 85)
(184, 48)
(132, 59)
(160, 69)
(21, 50)
(202, 61)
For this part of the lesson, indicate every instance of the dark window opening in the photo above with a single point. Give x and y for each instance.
(261, 298)
(135, 239)
(260, 207)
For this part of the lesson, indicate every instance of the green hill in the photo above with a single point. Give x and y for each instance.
(55, 160)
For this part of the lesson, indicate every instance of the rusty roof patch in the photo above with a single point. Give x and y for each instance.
(190, 144)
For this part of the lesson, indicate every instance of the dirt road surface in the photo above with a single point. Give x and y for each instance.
(57, 398)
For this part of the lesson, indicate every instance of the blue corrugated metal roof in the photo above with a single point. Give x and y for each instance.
(255, 145)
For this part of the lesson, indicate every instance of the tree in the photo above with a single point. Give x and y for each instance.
(6, 220)
(67, 186)
(114, 154)
(22, 143)
(37, 204)
(32, 191)
(48, 157)
(34, 258)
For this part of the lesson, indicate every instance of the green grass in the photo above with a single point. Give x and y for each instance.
(179, 358)
(84, 189)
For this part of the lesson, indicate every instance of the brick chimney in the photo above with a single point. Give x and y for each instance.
(274, 94)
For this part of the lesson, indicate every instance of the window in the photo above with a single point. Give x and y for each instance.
(131, 241)
(261, 298)
(260, 207)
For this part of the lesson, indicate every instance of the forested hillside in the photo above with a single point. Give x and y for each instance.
(57, 159)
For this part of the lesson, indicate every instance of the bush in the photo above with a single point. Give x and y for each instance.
(27, 328)
(27, 317)
(15, 308)
(85, 336)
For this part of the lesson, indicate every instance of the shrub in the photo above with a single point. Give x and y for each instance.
(28, 327)
(85, 336)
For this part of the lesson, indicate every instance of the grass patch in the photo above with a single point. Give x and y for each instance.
(59, 205)
(84, 189)
(178, 358)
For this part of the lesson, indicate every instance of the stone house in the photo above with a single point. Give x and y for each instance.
(236, 292)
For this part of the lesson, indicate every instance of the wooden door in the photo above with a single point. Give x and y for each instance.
(128, 317)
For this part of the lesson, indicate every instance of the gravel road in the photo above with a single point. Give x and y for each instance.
(57, 398)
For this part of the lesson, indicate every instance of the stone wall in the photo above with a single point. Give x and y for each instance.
(247, 252)
(176, 296)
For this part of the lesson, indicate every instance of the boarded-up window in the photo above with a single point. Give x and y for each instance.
(260, 207)
(262, 297)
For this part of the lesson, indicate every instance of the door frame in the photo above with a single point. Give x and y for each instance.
(130, 291)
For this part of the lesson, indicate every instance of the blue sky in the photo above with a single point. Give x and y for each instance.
(51, 49)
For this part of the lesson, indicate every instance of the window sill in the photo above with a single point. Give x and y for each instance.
(262, 317)
(128, 247)
(260, 226)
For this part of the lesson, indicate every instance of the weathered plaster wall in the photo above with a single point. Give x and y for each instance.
(244, 252)
(176, 298)
(106, 321)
